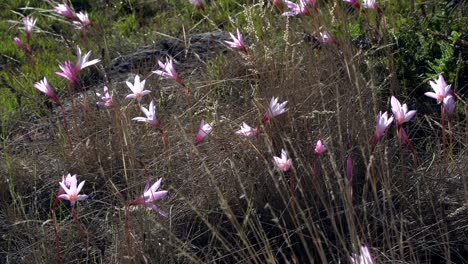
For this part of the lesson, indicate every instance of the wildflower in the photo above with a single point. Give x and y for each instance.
(82, 20)
(364, 257)
(354, 3)
(296, 9)
(326, 37)
(106, 98)
(320, 148)
(66, 180)
(168, 71)
(71, 191)
(371, 4)
(82, 62)
(205, 130)
(400, 112)
(449, 105)
(69, 72)
(383, 122)
(66, 11)
(28, 23)
(150, 115)
(44, 87)
(237, 42)
(246, 130)
(150, 195)
(274, 109)
(441, 89)
(137, 89)
(197, 3)
(21, 45)
(283, 163)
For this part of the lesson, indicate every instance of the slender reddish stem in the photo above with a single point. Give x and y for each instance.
(65, 124)
(79, 227)
(444, 150)
(57, 240)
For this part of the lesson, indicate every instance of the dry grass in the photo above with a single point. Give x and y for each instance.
(227, 203)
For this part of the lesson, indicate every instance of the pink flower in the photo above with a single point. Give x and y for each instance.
(71, 191)
(21, 45)
(441, 89)
(106, 99)
(65, 10)
(205, 130)
(363, 258)
(274, 109)
(371, 4)
(383, 122)
(449, 105)
(137, 89)
(66, 180)
(168, 71)
(400, 112)
(151, 194)
(150, 115)
(237, 42)
(44, 87)
(320, 148)
(197, 3)
(354, 3)
(82, 20)
(246, 131)
(28, 23)
(296, 9)
(283, 163)
(69, 72)
(326, 37)
(82, 62)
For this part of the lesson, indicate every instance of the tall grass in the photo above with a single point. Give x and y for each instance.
(227, 203)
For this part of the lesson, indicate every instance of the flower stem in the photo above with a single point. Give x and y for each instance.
(80, 228)
(57, 240)
(444, 150)
(65, 124)
(292, 187)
